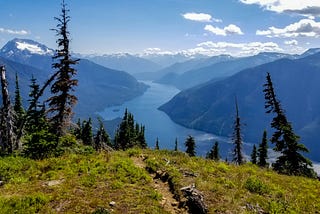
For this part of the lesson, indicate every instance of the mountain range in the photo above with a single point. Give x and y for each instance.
(211, 106)
(98, 86)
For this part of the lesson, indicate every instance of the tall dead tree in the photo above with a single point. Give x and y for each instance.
(8, 141)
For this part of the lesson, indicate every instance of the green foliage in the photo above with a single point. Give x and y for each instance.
(254, 155)
(157, 144)
(86, 133)
(129, 134)
(62, 100)
(255, 185)
(291, 161)
(214, 152)
(191, 146)
(101, 210)
(237, 139)
(27, 204)
(39, 145)
(263, 151)
(18, 108)
(101, 139)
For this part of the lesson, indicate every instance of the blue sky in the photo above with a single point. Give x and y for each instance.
(212, 27)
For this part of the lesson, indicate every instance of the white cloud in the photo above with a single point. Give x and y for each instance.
(291, 42)
(302, 7)
(200, 17)
(239, 49)
(228, 30)
(305, 27)
(16, 32)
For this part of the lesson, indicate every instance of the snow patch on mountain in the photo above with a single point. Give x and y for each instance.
(33, 48)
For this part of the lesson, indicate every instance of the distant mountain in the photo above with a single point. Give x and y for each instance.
(168, 59)
(309, 52)
(170, 74)
(125, 62)
(98, 86)
(210, 107)
(221, 69)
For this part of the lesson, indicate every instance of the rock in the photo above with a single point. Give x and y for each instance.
(1, 183)
(195, 201)
(112, 204)
(54, 182)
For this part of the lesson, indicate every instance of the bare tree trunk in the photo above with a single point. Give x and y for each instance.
(8, 139)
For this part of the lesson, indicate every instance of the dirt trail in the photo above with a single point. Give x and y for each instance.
(168, 202)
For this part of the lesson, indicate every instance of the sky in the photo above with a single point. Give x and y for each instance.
(210, 27)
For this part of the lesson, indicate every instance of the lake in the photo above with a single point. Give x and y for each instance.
(159, 125)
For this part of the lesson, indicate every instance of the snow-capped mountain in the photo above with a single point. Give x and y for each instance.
(25, 47)
(125, 62)
(28, 52)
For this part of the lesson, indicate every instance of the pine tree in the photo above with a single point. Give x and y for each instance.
(101, 139)
(18, 107)
(214, 152)
(291, 161)
(62, 101)
(157, 145)
(39, 141)
(190, 145)
(129, 134)
(254, 155)
(237, 139)
(263, 151)
(176, 145)
(87, 135)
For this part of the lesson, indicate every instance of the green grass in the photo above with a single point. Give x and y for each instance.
(87, 183)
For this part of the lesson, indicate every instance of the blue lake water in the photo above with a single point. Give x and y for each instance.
(158, 124)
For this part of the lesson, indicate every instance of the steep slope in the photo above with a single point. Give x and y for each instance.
(210, 107)
(222, 69)
(98, 86)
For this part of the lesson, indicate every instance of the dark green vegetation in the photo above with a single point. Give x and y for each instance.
(208, 107)
(87, 181)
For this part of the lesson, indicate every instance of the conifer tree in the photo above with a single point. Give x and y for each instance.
(78, 130)
(263, 151)
(39, 141)
(291, 161)
(237, 139)
(176, 145)
(254, 155)
(87, 135)
(214, 152)
(62, 101)
(157, 145)
(18, 107)
(191, 146)
(101, 139)
(129, 134)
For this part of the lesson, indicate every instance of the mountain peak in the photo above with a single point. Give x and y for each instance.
(26, 47)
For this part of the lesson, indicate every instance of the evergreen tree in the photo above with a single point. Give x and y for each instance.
(176, 145)
(87, 135)
(254, 155)
(263, 151)
(62, 101)
(157, 144)
(18, 108)
(39, 141)
(129, 134)
(237, 139)
(101, 139)
(78, 130)
(291, 161)
(214, 152)
(190, 145)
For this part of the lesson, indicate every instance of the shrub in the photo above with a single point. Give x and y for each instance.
(254, 185)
